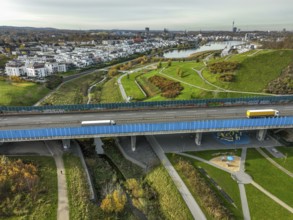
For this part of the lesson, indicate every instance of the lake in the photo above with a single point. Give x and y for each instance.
(209, 46)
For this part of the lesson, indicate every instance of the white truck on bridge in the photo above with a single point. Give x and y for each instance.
(98, 122)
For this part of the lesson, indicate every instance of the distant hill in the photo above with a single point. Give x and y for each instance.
(27, 28)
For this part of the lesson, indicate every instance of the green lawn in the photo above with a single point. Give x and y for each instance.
(286, 162)
(269, 177)
(21, 94)
(172, 205)
(263, 207)
(265, 66)
(131, 87)
(45, 206)
(111, 92)
(223, 179)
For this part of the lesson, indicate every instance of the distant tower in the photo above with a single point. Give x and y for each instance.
(234, 29)
(147, 32)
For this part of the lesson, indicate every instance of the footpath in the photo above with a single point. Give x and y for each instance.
(63, 207)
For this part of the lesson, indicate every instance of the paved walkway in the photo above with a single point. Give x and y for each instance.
(63, 207)
(274, 163)
(122, 90)
(183, 190)
(280, 202)
(244, 203)
(244, 178)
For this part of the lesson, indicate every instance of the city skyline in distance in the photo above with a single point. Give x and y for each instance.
(133, 15)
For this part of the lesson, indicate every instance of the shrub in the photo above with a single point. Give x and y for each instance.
(224, 66)
(199, 186)
(169, 88)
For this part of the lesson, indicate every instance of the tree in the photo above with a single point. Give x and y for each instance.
(114, 202)
(169, 63)
(112, 72)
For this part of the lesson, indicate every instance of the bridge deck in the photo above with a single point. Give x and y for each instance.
(145, 129)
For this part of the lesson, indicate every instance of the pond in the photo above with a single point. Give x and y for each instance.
(210, 46)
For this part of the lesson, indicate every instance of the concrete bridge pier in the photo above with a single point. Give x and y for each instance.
(133, 143)
(261, 134)
(99, 145)
(198, 137)
(66, 143)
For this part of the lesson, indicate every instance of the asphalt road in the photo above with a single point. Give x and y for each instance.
(124, 117)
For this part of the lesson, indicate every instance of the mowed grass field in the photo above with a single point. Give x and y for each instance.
(131, 87)
(111, 92)
(263, 207)
(286, 162)
(21, 94)
(269, 176)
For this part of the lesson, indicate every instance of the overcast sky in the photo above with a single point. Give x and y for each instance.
(156, 14)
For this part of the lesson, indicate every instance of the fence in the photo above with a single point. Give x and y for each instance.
(151, 128)
(145, 105)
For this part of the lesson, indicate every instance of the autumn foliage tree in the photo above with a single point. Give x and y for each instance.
(114, 202)
(18, 185)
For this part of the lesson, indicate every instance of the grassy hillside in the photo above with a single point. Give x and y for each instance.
(26, 93)
(261, 68)
(75, 91)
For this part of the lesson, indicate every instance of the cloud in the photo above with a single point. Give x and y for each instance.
(134, 14)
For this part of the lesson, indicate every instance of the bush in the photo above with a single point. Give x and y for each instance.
(169, 88)
(227, 77)
(224, 66)
(206, 195)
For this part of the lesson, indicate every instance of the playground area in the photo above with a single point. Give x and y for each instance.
(229, 162)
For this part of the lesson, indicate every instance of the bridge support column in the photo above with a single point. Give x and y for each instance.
(261, 134)
(99, 145)
(133, 143)
(198, 137)
(66, 143)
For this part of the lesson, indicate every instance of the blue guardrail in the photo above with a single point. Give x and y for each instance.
(67, 132)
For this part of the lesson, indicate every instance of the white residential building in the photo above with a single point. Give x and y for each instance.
(62, 67)
(36, 70)
(15, 69)
(52, 67)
